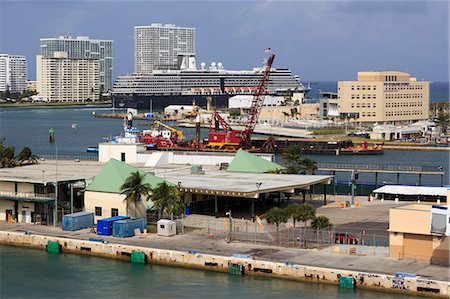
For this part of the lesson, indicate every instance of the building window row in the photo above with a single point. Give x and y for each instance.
(404, 104)
(369, 114)
(404, 96)
(364, 87)
(403, 86)
(364, 96)
(403, 113)
(364, 105)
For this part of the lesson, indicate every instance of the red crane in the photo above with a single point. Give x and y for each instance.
(227, 137)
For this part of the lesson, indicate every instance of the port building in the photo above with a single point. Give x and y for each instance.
(162, 47)
(83, 47)
(60, 78)
(13, 73)
(387, 97)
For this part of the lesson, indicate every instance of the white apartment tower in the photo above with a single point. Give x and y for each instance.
(13, 73)
(82, 47)
(60, 78)
(160, 47)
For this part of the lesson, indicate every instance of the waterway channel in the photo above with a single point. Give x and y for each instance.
(30, 273)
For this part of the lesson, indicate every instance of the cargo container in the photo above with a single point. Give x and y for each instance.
(104, 226)
(77, 221)
(125, 228)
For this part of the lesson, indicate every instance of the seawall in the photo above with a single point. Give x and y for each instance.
(364, 280)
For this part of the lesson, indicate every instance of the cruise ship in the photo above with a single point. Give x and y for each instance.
(160, 88)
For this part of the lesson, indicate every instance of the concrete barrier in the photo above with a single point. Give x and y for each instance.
(387, 283)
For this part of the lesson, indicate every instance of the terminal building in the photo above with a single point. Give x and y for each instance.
(387, 97)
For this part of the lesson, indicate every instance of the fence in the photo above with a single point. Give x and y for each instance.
(247, 231)
(69, 157)
(379, 167)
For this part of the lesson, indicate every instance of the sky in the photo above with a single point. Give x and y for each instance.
(318, 40)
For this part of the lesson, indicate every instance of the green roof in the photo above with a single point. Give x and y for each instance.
(114, 174)
(246, 162)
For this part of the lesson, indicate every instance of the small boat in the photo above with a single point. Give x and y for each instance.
(92, 149)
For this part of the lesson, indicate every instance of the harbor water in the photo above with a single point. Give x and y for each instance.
(30, 127)
(30, 273)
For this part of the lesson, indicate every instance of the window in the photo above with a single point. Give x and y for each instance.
(114, 212)
(98, 211)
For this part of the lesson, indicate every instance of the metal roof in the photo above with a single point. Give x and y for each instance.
(114, 174)
(412, 190)
(246, 162)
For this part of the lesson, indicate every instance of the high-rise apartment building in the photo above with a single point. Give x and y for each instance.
(82, 47)
(13, 73)
(162, 47)
(60, 78)
(388, 97)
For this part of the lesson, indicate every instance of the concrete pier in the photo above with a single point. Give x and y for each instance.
(251, 266)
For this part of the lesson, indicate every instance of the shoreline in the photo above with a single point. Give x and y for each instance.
(55, 104)
(220, 263)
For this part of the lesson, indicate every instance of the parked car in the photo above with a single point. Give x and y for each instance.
(346, 238)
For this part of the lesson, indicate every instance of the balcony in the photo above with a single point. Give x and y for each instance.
(27, 196)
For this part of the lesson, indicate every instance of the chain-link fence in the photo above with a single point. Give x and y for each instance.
(300, 237)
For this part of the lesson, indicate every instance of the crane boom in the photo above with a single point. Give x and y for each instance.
(257, 102)
(178, 132)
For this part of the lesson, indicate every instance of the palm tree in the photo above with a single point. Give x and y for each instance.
(134, 187)
(308, 166)
(306, 212)
(7, 156)
(321, 223)
(291, 158)
(442, 120)
(26, 155)
(167, 198)
(277, 216)
(293, 211)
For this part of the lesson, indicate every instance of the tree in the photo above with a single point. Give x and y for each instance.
(277, 216)
(304, 213)
(134, 188)
(442, 120)
(293, 210)
(321, 223)
(166, 198)
(26, 155)
(7, 156)
(291, 158)
(308, 166)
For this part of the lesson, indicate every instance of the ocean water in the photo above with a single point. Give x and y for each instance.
(29, 273)
(439, 91)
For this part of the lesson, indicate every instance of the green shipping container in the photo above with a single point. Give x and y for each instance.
(138, 257)
(236, 269)
(347, 282)
(53, 247)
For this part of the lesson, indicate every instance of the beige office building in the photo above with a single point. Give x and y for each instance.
(388, 97)
(60, 78)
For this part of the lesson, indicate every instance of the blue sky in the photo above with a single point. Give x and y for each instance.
(318, 40)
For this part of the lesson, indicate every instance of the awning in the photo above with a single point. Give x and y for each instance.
(412, 190)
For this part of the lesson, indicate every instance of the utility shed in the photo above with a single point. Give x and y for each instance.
(247, 162)
(412, 193)
(167, 228)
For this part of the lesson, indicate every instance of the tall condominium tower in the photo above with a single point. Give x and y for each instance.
(82, 47)
(162, 47)
(59, 78)
(13, 73)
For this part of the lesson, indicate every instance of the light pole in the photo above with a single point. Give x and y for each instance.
(230, 219)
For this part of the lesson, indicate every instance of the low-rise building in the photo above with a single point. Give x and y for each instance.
(388, 97)
(415, 232)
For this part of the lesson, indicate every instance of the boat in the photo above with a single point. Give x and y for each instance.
(181, 87)
(92, 149)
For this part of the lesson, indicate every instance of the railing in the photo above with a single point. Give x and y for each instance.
(411, 168)
(93, 157)
(27, 195)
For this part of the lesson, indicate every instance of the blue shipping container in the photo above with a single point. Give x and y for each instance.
(104, 226)
(125, 228)
(77, 221)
